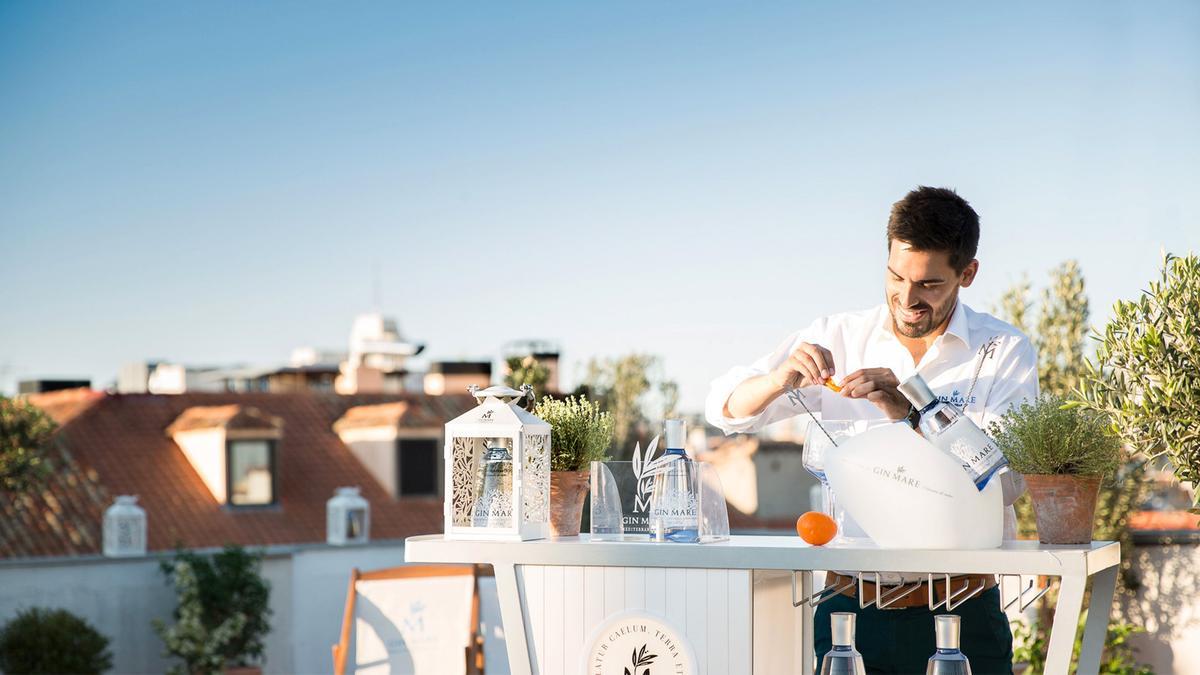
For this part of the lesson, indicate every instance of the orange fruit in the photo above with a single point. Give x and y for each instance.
(816, 528)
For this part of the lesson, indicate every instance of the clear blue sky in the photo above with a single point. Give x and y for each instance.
(212, 182)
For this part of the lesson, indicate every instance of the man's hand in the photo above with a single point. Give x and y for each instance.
(807, 365)
(877, 385)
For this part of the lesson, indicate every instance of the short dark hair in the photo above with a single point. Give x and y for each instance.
(936, 219)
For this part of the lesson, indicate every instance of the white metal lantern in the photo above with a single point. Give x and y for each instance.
(347, 518)
(498, 469)
(124, 528)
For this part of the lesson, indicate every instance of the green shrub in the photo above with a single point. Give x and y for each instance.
(1119, 657)
(41, 640)
(223, 612)
(1146, 375)
(1047, 436)
(24, 436)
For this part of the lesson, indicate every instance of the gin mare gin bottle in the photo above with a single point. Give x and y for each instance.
(843, 659)
(953, 432)
(493, 506)
(674, 499)
(947, 660)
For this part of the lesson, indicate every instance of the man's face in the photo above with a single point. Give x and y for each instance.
(922, 288)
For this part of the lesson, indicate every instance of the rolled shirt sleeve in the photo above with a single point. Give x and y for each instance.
(1016, 381)
(779, 409)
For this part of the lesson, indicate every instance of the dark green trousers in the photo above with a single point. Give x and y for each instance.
(901, 640)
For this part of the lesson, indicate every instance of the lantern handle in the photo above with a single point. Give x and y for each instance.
(501, 392)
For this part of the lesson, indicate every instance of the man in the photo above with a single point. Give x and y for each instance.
(971, 359)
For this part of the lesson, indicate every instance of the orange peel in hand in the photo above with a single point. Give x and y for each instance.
(832, 385)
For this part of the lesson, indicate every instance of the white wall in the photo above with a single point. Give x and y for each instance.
(120, 597)
(117, 597)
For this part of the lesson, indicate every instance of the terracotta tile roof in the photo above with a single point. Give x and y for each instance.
(65, 405)
(120, 446)
(399, 414)
(231, 416)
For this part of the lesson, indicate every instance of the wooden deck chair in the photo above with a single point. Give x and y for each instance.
(395, 626)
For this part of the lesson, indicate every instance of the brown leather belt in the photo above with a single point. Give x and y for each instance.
(918, 596)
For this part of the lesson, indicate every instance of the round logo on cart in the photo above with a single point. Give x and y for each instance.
(637, 643)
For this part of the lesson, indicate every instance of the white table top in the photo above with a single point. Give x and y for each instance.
(769, 552)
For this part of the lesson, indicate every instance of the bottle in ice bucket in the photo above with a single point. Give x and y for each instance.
(493, 507)
(947, 660)
(843, 659)
(674, 502)
(953, 432)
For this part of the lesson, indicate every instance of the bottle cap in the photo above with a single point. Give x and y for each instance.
(945, 628)
(917, 391)
(676, 434)
(843, 629)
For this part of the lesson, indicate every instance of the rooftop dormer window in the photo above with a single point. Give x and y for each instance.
(234, 450)
(250, 479)
(417, 463)
(399, 443)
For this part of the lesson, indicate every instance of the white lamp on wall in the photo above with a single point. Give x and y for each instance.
(124, 528)
(347, 518)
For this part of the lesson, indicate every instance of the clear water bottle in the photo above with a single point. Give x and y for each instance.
(954, 433)
(493, 506)
(843, 659)
(947, 660)
(674, 498)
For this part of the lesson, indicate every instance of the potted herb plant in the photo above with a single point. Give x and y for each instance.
(580, 434)
(1063, 451)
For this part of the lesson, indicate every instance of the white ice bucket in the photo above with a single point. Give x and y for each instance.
(905, 493)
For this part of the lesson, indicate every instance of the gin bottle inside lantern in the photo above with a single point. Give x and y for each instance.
(493, 506)
(498, 469)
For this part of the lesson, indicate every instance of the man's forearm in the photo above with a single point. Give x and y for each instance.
(752, 397)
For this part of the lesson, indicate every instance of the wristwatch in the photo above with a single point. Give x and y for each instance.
(913, 417)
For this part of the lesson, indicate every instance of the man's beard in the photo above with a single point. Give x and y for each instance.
(924, 326)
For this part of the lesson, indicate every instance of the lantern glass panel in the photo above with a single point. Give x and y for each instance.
(466, 469)
(535, 477)
(356, 523)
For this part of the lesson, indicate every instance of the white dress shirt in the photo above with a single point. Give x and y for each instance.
(974, 342)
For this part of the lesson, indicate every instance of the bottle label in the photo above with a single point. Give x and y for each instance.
(676, 510)
(966, 442)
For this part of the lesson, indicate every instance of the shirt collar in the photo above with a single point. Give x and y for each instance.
(959, 326)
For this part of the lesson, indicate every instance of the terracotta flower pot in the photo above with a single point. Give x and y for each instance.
(243, 670)
(567, 492)
(1065, 507)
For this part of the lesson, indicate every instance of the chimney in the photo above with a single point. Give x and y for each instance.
(454, 377)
